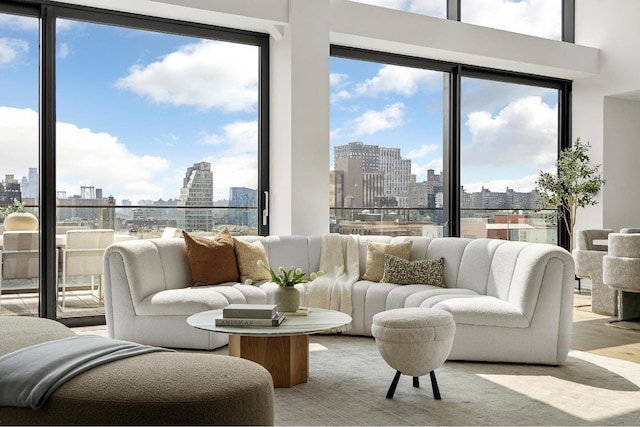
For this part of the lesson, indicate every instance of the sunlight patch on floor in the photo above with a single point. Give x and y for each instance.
(314, 346)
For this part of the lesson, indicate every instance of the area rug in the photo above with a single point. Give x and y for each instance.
(349, 380)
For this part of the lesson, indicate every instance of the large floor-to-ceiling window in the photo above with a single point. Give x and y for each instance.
(427, 148)
(19, 186)
(509, 133)
(386, 146)
(540, 18)
(147, 127)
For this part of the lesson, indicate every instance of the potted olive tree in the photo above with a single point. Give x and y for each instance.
(576, 185)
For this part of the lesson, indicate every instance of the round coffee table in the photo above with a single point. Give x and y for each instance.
(283, 350)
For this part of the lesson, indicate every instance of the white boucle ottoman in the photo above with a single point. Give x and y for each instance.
(414, 341)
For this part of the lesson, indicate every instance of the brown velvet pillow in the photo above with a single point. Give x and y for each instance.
(212, 260)
(375, 257)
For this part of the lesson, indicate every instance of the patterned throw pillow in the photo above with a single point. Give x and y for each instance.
(248, 254)
(211, 260)
(375, 257)
(423, 271)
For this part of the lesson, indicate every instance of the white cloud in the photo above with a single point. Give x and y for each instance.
(236, 162)
(238, 137)
(17, 22)
(207, 75)
(540, 18)
(338, 82)
(338, 79)
(12, 49)
(510, 148)
(84, 157)
(423, 151)
(233, 171)
(478, 94)
(524, 131)
(404, 81)
(63, 50)
(374, 121)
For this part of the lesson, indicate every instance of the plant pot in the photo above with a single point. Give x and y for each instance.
(287, 298)
(21, 221)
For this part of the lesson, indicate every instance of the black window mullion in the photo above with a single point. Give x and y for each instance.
(453, 10)
(263, 141)
(47, 165)
(564, 141)
(569, 21)
(451, 154)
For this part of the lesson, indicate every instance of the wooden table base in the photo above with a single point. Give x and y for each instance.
(285, 357)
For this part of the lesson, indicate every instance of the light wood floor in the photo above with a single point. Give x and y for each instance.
(602, 334)
(592, 332)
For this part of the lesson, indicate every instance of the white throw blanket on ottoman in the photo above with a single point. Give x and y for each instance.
(339, 260)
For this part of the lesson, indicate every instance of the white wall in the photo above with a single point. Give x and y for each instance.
(622, 157)
(600, 113)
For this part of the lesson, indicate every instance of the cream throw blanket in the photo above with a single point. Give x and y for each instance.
(339, 260)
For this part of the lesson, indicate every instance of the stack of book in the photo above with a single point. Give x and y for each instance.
(250, 315)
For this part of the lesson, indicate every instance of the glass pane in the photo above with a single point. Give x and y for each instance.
(542, 18)
(156, 133)
(19, 278)
(386, 149)
(509, 134)
(436, 8)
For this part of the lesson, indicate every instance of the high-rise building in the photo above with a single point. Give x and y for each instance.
(350, 172)
(244, 207)
(9, 190)
(370, 155)
(33, 183)
(197, 191)
(397, 173)
(385, 174)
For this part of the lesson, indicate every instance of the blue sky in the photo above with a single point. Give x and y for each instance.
(136, 108)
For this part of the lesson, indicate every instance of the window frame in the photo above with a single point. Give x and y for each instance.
(47, 13)
(452, 117)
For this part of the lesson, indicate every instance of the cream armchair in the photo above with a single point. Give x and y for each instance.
(19, 256)
(588, 257)
(83, 256)
(621, 272)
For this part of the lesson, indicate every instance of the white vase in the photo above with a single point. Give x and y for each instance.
(287, 298)
(21, 221)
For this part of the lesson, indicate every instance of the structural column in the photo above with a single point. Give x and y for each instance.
(299, 94)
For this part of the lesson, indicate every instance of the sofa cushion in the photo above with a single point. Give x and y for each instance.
(248, 254)
(418, 272)
(479, 310)
(212, 261)
(376, 252)
(186, 301)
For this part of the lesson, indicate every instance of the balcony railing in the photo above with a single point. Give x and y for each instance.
(517, 225)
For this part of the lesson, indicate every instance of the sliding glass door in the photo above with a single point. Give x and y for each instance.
(136, 127)
(509, 133)
(19, 186)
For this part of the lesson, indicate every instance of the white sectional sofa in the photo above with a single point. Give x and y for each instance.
(511, 301)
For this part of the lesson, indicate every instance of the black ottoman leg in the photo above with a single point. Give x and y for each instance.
(394, 384)
(416, 381)
(434, 385)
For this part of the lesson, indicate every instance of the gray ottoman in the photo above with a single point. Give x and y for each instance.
(414, 341)
(167, 388)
